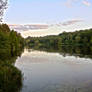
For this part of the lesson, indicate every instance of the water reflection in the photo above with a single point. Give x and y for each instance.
(56, 71)
(81, 51)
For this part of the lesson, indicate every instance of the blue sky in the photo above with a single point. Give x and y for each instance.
(50, 12)
(47, 11)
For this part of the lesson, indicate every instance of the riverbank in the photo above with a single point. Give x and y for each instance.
(11, 46)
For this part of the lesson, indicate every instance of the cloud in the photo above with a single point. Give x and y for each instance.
(71, 22)
(86, 3)
(67, 23)
(70, 3)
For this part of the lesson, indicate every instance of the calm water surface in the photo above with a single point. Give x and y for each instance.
(53, 72)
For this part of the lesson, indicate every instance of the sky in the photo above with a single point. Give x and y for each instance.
(65, 15)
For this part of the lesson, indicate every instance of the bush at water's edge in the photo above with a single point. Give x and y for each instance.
(10, 78)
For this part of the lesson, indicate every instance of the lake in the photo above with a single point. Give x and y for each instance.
(54, 72)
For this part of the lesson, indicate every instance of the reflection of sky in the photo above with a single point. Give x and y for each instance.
(51, 72)
(50, 12)
(65, 59)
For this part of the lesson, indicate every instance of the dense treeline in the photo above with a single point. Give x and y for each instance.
(73, 43)
(10, 41)
(11, 46)
(77, 38)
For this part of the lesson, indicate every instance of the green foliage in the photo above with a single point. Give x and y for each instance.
(11, 45)
(10, 78)
(77, 38)
(10, 41)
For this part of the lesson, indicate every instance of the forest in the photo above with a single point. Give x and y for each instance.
(11, 46)
(77, 38)
(78, 43)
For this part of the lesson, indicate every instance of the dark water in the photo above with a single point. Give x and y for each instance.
(55, 72)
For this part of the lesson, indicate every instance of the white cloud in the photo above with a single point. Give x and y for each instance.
(86, 3)
(70, 3)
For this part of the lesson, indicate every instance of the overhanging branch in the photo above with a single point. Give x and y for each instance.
(3, 6)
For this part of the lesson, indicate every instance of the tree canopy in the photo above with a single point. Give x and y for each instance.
(77, 38)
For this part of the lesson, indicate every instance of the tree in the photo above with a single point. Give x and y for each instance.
(91, 40)
(3, 6)
(78, 38)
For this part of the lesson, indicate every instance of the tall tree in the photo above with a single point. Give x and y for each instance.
(3, 6)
